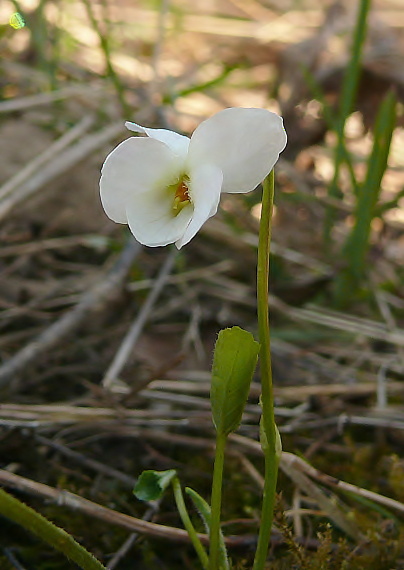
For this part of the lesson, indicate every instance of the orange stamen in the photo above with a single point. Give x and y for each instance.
(182, 192)
(181, 198)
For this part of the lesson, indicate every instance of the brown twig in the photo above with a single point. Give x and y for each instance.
(328, 505)
(95, 510)
(92, 464)
(135, 330)
(45, 157)
(291, 461)
(21, 103)
(52, 336)
(86, 240)
(127, 545)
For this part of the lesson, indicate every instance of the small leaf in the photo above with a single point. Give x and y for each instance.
(205, 513)
(278, 443)
(201, 505)
(264, 440)
(234, 362)
(263, 437)
(152, 484)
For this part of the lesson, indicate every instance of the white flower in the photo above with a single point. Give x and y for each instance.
(165, 185)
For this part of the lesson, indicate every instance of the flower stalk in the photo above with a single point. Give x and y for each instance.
(165, 186)
(270, 448)
(216, 503)
(182, 510)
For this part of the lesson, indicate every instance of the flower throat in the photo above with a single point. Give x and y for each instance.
(181, 198)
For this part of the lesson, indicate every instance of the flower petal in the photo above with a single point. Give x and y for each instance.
(204, 190)
(151, 217)
(135, 166)
(177, 143)
(244, 143)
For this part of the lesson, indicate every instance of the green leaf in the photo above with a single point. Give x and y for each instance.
(358, 241)
(264, 440)
(234, 362)
(201, 506)
(205, 513)
(152, 484)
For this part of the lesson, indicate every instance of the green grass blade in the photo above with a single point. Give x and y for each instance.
(169, 98)
(358, 241)
(59, 539)
(394, 203)
(351, 79)
(331, 122)
(105, 47)
(357, 244)
(348, 94)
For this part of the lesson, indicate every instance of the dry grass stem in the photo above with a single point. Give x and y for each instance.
(136, 328)
(100, 293)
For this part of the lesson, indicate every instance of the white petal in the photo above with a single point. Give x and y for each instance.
(204, 189)
(135, 166)
(151, 218)
(244, 143)
(178, 143)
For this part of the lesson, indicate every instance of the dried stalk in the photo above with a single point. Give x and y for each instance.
(45, 157)
(100, 293)
(135, 330)
(95, 510)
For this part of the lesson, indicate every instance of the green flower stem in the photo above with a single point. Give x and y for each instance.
(267, 400)
(216, 503)
(186, 521)
(13, 509)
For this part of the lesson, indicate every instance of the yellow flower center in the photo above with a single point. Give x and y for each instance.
(181, 198)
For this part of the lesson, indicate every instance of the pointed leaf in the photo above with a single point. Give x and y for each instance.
(201, 506)
(264, 440)
(205, 513)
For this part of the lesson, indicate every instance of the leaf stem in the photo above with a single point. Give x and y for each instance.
(267, 400)
(22, 514)
(216, 503)
(186, 521)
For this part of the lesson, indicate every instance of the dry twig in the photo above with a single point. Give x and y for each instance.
(49, 154)
(291, 461)
(135, 330)
(100, 293)
(95, 510)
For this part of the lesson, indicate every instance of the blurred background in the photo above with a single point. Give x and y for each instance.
(106, 346)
